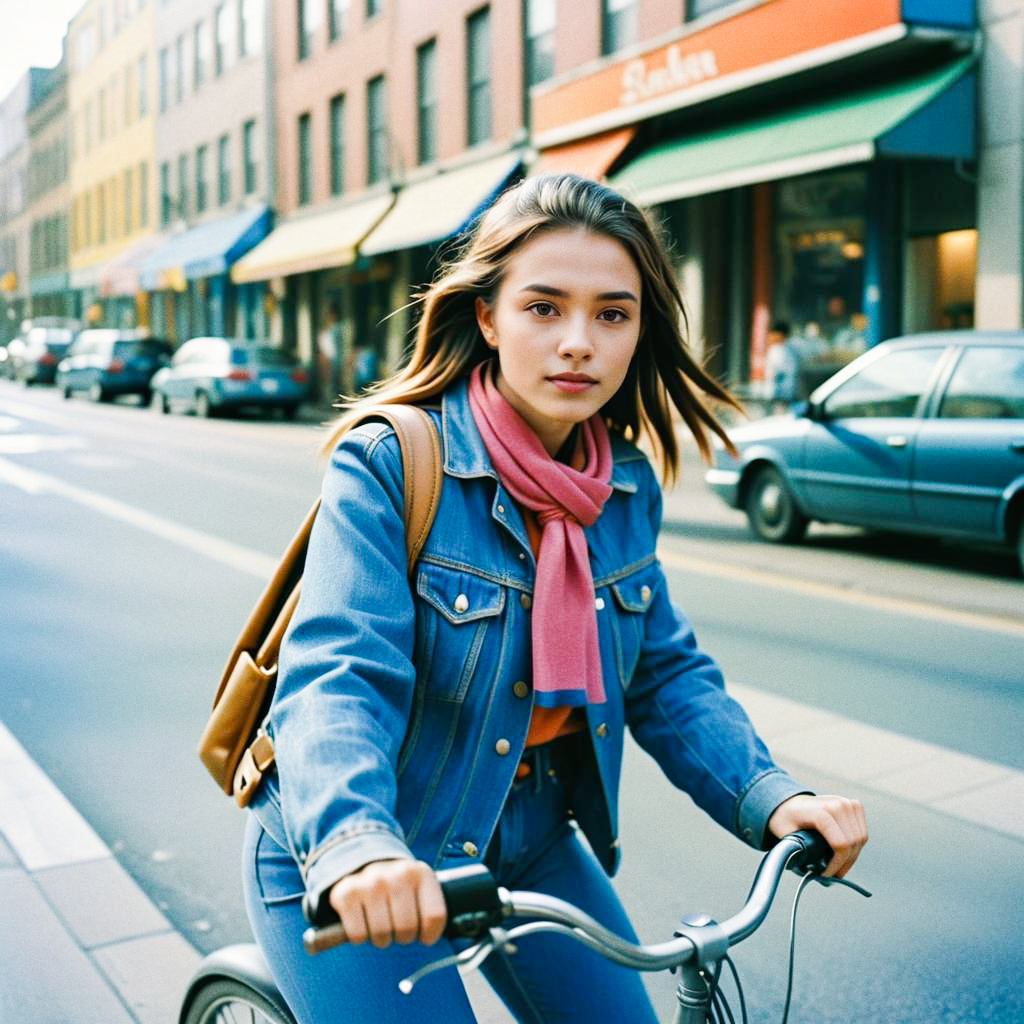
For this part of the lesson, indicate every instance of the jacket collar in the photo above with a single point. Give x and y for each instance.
(466, 456)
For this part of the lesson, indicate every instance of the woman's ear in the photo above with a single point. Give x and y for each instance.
(485, 321)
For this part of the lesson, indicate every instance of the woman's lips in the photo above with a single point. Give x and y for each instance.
(572, 383)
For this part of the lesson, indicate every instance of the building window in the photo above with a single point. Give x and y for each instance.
(223, 38)
(337, 145)
(88, 219)
(373, 8)
(101, 107)
(163, 84)
(165, 194)
(143, 194)
(128, 202)
(697, 8)
(128, 97)
(426, 102)
(305, 159)
(250, 27)
(308, 13)
(201, 169)
(179, 69)
(182, 210)
(618, 25)
(540, 40)
(101, 213)
(249, 157)
(337, 12)
(224, 170)
(143, 86)
(376, 130)
(200, 53)
(478, 76)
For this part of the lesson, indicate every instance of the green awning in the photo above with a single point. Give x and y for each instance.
(930, 114)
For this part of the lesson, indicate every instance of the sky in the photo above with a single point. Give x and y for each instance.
(31, 35)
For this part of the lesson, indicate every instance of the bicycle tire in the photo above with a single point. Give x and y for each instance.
(230, 1001)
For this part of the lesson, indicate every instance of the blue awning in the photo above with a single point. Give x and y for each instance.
(205, 250)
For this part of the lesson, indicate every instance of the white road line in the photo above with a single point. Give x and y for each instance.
(242, 559)
(37, 820)
(812, 588)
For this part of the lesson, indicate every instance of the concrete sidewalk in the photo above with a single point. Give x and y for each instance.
(80, 943)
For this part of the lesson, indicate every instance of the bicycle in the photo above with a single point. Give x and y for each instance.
(237, 979)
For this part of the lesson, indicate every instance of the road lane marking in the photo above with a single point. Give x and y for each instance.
(831, 592)
(32, 444)
(242, 559)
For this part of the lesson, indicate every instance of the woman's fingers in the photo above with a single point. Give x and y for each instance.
(840, 820)
(390, 901)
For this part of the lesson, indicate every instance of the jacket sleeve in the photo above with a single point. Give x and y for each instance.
(346, 676)
(679, 712)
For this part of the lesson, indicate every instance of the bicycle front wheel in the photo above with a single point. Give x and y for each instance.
(229, 1001)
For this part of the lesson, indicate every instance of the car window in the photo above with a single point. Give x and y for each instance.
(890, 386)
(266, 355)
(988, 383)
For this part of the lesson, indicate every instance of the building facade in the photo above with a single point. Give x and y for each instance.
(213, 180)
(15, 224)
(49, 199)
(396, 122)
(112, 135)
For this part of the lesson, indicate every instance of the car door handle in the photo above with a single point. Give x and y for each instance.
(896, 441)
(1017, 445)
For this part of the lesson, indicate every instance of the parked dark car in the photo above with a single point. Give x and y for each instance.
(923, 434)
(33, 356)
(212, 375)
(106, 362)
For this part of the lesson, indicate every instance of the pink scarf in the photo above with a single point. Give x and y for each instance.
(566, 655)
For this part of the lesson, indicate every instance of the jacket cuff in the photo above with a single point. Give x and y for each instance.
(340, 857)
(759, 801)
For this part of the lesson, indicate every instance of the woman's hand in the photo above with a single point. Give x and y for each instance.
(390, 901)
(840, 821)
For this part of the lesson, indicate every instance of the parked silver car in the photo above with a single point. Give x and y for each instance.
(923, 434)
(211, 375)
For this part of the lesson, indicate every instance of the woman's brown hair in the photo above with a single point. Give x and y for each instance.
(662, 373)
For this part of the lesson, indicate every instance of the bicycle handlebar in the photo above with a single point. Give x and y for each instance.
(477, 904)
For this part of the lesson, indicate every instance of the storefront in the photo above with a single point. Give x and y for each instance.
(792, 190)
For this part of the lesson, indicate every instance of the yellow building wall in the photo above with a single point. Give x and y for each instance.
(112, 107)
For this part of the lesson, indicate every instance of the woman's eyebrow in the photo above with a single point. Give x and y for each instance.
(558, 293)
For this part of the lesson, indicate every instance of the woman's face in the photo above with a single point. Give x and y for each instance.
(565, 324)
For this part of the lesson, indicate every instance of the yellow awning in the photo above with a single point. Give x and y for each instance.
(442, 205)
(312, 242)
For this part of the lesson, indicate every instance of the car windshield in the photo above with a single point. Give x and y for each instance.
(149, 347)
(56, 339)
(263, 355)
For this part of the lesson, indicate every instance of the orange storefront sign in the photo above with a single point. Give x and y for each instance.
(675, 73)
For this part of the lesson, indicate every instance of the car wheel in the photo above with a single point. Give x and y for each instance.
(160, 403)
(289, 412)
(204, 409)
(96, 392)
(66, 391)
(771, 508)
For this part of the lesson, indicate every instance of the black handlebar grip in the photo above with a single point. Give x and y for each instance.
(471, 896)
(815, 855)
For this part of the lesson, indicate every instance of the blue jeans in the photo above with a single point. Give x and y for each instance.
(549, 979)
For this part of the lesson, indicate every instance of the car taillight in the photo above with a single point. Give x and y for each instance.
(299, 376)
(47, 359)
(239, 375)
(116, 366)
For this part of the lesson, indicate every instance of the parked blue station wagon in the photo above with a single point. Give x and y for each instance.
(923, 434)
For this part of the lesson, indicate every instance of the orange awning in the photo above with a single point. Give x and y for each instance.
(589, 158)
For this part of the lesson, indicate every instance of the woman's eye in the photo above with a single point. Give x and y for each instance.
(613, 316)
(543, 309)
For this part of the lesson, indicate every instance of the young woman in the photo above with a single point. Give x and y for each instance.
(478, 714)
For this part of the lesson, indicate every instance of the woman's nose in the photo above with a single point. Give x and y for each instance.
(576, 343)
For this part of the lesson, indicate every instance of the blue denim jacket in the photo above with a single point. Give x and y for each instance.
(401, 711)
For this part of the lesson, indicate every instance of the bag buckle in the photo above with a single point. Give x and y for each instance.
(258, 757)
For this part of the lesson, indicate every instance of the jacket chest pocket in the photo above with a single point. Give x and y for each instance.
(632, 596)
(459, 622)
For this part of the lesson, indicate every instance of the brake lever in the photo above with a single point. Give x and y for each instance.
(466, 961)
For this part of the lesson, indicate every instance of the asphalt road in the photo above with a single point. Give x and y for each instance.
(132, 546)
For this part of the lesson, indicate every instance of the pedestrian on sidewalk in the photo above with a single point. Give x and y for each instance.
(782, 365)
(474, 715)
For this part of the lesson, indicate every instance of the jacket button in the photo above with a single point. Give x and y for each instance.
(525, 600)
(461, 603)
(501, 510)
(470, 849)
(521, 689)
(602, 730)
(614, 844)
(645, 593)
(599, 603)
(502, 747)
